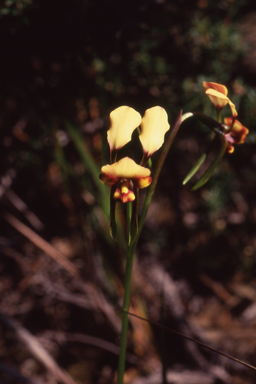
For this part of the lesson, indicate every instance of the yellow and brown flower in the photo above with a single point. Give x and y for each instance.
(125, 175)
(237, 135)
(218, 96)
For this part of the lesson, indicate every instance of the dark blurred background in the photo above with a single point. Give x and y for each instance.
(64, 65)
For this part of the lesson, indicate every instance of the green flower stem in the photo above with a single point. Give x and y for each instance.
(219, 118)
(131, 249)
(128, 220)
(163, 350)
(126, 305)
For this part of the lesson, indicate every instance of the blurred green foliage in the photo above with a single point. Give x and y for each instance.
(14, 7)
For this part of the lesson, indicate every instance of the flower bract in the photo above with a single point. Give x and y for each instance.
(237, 135)
(125, 175)
(218, 95)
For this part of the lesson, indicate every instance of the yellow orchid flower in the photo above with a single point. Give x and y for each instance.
(154, 125)
(218, 96)
(123, 121)
(237, 135)
(125, 175)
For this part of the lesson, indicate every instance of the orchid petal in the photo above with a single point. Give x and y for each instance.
(218, 96)
(218, 99)
(218, 87)
(124, 120)
(238, 133)
(125, 168)
(108, 179)
(142, 182)
(154, 125)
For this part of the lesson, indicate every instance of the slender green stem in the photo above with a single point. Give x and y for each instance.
(126, 304)
(128, 220)
(131, 248)
(219, 118)
(163, 342)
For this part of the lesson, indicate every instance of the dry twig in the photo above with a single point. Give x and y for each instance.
(23, 208)
(37, 350)
(42, 244)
